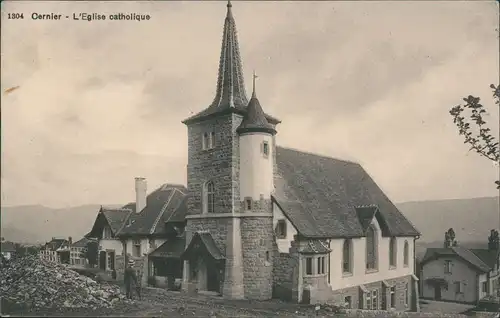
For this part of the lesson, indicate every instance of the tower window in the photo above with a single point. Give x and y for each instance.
(208, 197)
(267, 256)
(248, 203)
(265, 149)
(208, 140)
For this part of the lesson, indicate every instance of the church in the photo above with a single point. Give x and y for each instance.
(258, 221)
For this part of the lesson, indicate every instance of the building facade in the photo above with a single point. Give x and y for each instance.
(258, 221)
(459, 274)
(57, 250)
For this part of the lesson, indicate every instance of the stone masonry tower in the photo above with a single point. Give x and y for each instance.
(229, 178)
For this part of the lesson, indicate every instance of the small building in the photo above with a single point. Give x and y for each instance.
(459, 274)
(57, 250)
(76, 257)
(8, 250)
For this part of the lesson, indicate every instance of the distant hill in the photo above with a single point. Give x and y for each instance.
(472, 219)
(38, 224)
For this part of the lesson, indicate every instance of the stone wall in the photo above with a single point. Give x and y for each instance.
(220, 164)
(257, 244)
(217, 227)
(258, 206)
(283, 275)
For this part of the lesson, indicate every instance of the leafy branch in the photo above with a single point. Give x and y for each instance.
(479, 139)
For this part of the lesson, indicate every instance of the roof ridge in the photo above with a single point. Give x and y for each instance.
(162, 211)
(471, 252)
(318, 155)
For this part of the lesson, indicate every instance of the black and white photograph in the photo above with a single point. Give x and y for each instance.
(250, 158)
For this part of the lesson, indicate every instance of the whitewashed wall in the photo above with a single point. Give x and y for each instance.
(256, 173)
(459, 272)
(359, 275)
(283, 244)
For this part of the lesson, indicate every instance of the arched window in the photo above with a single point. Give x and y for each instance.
(371, 248)
(392, 252)
(208, 197)
(347, 256)
(406, 253)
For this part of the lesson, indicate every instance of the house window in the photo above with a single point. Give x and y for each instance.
(151, 243)
(106, 232)
(321, 265)
(374, 300)
(392, 252)
(248, 204)
(458, 287)
(265, 149)
(406, 254)
(108, 260)
(447, 267)
(212, 139)
(309, 266)
(346, 256)
(208, 197)
(371, 248)
(407, 295)
(136, 248)
(484, 287)
(281, 229)
(393, 297)
(368, 300)
(348, 302)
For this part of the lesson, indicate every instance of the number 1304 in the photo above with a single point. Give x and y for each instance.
(15, 16)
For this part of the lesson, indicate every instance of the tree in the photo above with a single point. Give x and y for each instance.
(90, 252)
(479, 139)
(493, 240)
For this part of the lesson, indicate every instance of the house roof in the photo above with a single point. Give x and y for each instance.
(461, 252)
(320, 196)
(489, 257)
(164, 203)
(81, 243)
(56, 243)
(8, 247)
(172, 248)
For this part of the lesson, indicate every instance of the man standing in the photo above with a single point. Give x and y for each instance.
(130, 277)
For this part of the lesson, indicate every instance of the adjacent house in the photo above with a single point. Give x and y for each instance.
(57, 250)
(76, 250)
(258, 221)
(8, 250)
(459, 274)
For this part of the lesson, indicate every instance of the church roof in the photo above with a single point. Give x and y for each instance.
(320, 196)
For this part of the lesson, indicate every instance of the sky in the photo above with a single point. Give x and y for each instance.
(101, 102)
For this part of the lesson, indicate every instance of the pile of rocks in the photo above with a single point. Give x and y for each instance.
(36, 283)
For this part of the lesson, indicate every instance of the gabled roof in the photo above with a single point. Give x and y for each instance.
(161, 205)
(199, 240)
(489, 257)
(55, 244)
(457, 251)
(365, 215)
(320, 195)
(172, 248)
(8, 247)
(81, 243)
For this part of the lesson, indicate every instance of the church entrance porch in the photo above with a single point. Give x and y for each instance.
(203, 266)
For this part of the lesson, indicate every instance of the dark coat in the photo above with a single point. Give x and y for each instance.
(130, 276)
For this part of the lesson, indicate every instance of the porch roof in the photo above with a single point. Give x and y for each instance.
(172, 248)
(206, 240)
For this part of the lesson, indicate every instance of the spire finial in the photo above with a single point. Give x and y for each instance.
(229, 5)
(253, 87)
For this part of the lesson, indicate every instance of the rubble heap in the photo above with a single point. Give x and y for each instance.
(36, 283)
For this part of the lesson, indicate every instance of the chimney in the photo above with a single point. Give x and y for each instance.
(140, 194)
(70, 241)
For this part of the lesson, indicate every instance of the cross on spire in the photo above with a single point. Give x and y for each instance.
(253, 86)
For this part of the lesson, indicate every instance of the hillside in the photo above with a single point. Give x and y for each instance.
(472, 220)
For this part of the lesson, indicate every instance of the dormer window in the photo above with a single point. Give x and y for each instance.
(265, 149)
(208, 140)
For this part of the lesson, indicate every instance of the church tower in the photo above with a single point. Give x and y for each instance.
(230, 179)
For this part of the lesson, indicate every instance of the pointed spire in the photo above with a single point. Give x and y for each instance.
(230, 84)
(255, 118)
